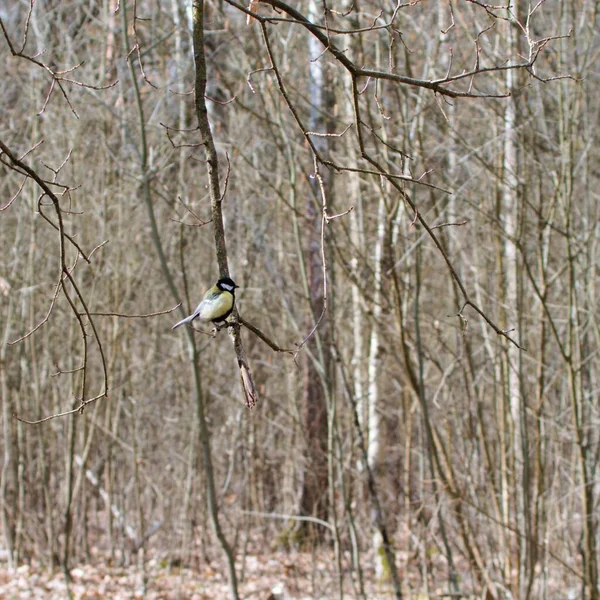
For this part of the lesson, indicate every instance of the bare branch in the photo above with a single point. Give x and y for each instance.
(457, 224)
(140, 316)
(258, 333)
(15, 196)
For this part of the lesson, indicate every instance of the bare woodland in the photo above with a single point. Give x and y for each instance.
(406, 403)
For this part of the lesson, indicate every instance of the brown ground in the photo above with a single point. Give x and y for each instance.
(295, 575)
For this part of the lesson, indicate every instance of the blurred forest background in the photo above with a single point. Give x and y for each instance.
(436, 164)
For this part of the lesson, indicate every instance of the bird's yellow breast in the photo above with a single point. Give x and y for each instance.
(215, 305)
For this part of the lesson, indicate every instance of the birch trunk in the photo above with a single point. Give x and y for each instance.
(510, 210)
(315, 481)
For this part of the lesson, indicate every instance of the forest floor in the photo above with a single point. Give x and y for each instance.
(281, 576)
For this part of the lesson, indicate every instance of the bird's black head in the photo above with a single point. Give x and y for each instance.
(225, 284)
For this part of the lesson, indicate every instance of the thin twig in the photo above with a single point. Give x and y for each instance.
(343, 214)
(456, 224)
(15, 196)
(254, 513)
(78, 409)
(142, 316)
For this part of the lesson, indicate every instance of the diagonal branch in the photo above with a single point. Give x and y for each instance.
(19, 166)
(438, 86)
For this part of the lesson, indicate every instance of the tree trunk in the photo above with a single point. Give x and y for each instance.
(315, 484)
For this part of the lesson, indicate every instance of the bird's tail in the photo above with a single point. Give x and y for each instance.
(183, 321)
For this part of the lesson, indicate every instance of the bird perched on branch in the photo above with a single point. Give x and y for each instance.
(216, 305)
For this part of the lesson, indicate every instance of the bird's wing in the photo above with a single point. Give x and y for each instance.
(210, 295)
(215, 305)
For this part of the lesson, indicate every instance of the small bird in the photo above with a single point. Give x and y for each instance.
(216, 305)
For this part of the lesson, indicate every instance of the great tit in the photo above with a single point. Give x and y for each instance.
(216, 305)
